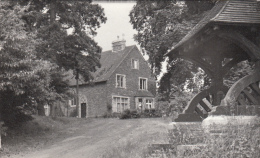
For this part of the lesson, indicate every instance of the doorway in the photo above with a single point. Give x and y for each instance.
(83, 110)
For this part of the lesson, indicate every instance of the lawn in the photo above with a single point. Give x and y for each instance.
(92, 137)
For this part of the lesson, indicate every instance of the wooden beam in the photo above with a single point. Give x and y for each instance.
(250, 97)
(199, 112)
(239, 86)
(205, 106)
(255, 88)
(241, 100)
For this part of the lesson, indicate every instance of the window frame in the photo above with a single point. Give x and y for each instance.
(133, 64)
(151, 103)
(124, 81)
(146, 84)
(73, 102)
(123, 100)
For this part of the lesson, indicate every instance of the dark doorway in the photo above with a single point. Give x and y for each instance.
(83, 110)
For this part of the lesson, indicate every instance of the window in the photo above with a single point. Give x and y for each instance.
(149, 104)
(120, 81)
(120, 104)
(134, 64)
(72, 102)
(143, 83)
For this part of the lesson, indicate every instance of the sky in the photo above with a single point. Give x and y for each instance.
(117, 24)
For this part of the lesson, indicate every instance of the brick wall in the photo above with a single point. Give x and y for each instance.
(132, 78)
(100, 95)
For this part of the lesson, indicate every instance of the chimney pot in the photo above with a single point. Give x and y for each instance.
(118, 45)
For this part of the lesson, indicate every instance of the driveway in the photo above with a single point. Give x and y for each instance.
(93, 139)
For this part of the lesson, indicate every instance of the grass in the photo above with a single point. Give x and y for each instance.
(132, 136)
(138, 147)
(35, 134)
(229, 141)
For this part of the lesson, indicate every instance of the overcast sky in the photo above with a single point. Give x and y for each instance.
(118, 23)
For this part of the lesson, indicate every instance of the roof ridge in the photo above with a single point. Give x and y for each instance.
(212, 19)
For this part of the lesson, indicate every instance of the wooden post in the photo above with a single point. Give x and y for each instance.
(217, 81)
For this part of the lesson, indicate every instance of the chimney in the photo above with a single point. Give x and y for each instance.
(118, 44)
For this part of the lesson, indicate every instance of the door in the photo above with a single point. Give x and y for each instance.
(83, 110)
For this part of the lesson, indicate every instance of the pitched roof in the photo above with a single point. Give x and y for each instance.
(235, 12)
(240, 12)
(109, 62)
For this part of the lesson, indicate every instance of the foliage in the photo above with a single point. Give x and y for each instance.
(23, 76)
(126, 114)
(146, 113)
(67, 33)
(231, 140)
(237, 72)
(161, 24)
(36, 50)
(150, 113)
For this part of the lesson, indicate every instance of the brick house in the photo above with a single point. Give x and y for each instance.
(124, 81)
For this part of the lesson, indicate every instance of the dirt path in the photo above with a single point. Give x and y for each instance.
(94, 139)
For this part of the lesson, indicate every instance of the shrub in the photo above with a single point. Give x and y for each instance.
(150, 113)
(110, 115)
(147, 113)
(231, 141)
(127, 114)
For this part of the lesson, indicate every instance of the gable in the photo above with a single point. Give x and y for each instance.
(109, 62)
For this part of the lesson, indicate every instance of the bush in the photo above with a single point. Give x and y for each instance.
(127, 114)
(110, 115)
(150, 113)
(230, 140)
(147, 113)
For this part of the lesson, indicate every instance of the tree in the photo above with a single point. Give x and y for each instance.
(35, 52)
(22, 75)
(76, 51)
(160, 25)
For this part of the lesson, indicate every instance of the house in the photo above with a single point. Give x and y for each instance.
(124, 81)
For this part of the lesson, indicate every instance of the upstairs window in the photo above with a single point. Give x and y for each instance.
(120, 81)
(143, 83)
(135, 64)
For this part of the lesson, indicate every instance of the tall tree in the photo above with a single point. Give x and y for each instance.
(160, 25)
(22, 76)
(67, 29)
(35, 50)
